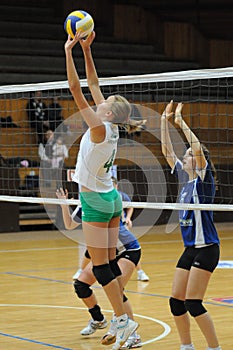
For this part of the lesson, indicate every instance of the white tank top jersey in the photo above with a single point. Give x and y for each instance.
(94, 162)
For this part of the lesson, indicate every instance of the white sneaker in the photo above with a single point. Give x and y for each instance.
(93, 326)
(133, 342)
(187, 347)
(142, 276)
(77, 274)
(123, 333)
(110, 337)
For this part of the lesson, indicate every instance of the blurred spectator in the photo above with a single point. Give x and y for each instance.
(46, 148)
(46, 154)
(52, 154)
(60, 152)
(8, 123)
(38, 115)
(18, 162)
(55, 115)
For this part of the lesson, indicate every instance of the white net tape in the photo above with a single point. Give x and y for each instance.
(136, 205)
(129, 79)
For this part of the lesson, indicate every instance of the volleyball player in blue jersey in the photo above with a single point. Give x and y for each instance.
(201, 254)
(128, 256)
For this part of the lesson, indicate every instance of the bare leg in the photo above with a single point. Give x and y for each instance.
(127, 268)
(183, 327)
(101, 238)
(196, 288)
(87, 276)
(85, 261)
(178, 291)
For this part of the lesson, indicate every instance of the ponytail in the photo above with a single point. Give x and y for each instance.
(121, 108)
(212, 167)
(132, 125)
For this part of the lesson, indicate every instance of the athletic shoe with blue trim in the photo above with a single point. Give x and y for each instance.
(123, 332)
(110, 337)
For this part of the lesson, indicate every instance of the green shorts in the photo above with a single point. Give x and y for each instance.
(100, 207)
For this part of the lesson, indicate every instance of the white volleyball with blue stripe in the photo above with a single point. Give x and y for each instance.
(79, 21)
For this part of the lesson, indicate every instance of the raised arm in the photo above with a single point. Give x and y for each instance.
(167, 148)
(92, 77)
(191, 138)
(128, 221)
(69, 223)
(75, 87)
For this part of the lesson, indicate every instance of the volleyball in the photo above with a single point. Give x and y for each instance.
(79, 21)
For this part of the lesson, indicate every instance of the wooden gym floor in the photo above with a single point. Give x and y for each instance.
(39, 310)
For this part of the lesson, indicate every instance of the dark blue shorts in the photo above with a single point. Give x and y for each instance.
(132, 255)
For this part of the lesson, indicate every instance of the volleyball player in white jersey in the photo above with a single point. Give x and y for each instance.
(200, 237)
(101, 203)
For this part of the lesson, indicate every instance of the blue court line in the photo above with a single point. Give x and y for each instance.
(36, 277)
(34, 341)
(99, 287)
(65, 282)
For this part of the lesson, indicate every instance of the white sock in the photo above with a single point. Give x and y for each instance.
(218, 348)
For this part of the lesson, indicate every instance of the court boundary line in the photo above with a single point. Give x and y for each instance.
(167, 328)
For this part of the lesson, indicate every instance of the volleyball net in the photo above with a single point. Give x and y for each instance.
(29, 174)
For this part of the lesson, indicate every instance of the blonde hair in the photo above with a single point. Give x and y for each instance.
(121, 109)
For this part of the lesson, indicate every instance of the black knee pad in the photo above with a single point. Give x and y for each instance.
(124, 298)
(195, 307)
(82, 289)
(103, 274)
(115, 267)
(177, 307)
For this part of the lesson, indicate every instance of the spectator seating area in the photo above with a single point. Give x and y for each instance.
(31, 48)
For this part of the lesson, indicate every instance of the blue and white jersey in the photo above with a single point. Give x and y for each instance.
(127, 239)
(197, 226)
(124, 198)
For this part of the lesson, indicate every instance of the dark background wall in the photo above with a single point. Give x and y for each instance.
(133, 37)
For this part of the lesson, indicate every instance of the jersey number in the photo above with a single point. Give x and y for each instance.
(110, 161)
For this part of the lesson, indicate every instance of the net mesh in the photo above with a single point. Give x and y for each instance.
(140, 166)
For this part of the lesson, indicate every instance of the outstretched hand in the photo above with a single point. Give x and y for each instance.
(70, 43)
(168, 111)
(61, 194)
(178, 115)
(86, 42)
